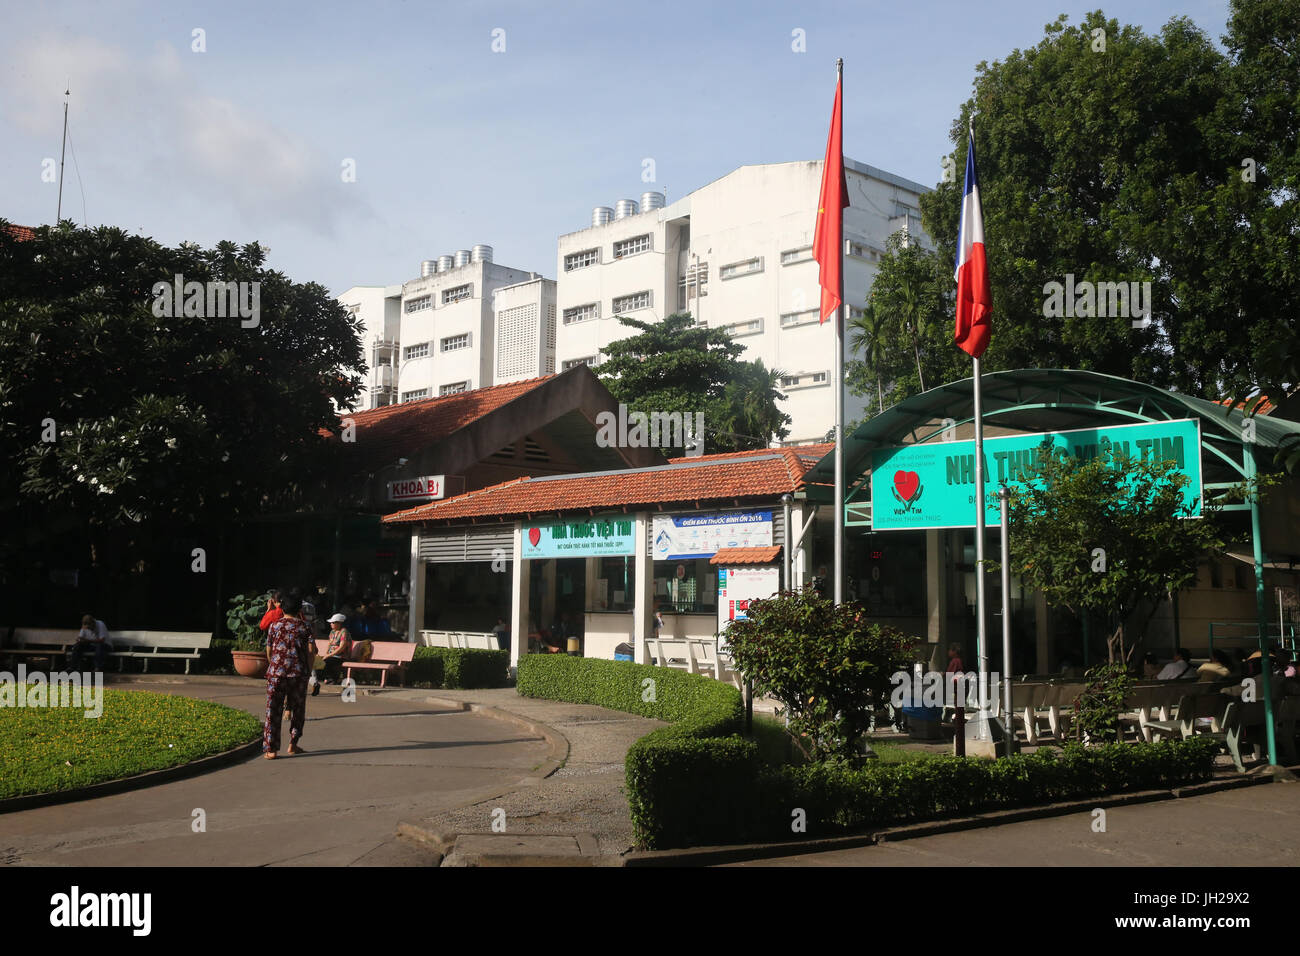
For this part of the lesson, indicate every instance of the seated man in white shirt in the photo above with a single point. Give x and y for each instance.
(92, 636)
(1178, 667)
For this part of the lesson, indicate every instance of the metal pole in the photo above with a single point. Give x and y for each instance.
(1261, 613)
(59, 215)
(786, 562)
(982, 649)
(1004, 494)
(839, 388)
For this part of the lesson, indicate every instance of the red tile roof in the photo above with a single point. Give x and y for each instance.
(730, 556)
(815, 452)
(712, 478)
(406, 426)
(1264, 407)
(21, 233)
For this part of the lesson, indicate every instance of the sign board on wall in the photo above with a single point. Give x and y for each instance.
(737, 587)
(579, 538)
(428, 488)
(702, 536)
(932, 485)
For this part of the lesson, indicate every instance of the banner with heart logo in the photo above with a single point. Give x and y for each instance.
(581, 537)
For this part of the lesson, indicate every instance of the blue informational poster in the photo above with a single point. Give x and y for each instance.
(703, 536)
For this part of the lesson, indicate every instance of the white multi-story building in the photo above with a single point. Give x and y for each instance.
(465, 323)
(379, 308)
(736, 253)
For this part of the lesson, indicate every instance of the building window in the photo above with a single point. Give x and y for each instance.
(454, 342)
(805, 380)
(454, 388)
(791, 256)
(745, 268)
(589, 360)
(737, 329)
(695, 592)
(416, 394)
(581, 313)
(580, 260)
(416, 351)
(457, 293)
(807, 316)
(860, 250)
(630, 303)
(630, 247)
(615, 588)
(418, 305)
(693, 285)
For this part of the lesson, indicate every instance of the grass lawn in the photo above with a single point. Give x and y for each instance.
(890, 752)
(47, 749)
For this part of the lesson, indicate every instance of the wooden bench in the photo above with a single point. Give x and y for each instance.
(385, 656)
(147, 645)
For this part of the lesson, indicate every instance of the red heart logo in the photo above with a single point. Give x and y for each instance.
(534, 535)
(906, 482)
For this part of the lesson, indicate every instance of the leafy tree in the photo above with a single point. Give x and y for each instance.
(829, 665)
(1108, 535)
(678, 366)
(867, 338)
(1112, 155)
(119, 420)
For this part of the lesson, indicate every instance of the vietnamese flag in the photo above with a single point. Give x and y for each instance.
(974, 294)
(828, 240)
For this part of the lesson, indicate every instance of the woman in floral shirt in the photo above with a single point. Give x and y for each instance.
(289, 649)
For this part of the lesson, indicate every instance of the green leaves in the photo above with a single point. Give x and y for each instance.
(827, 664)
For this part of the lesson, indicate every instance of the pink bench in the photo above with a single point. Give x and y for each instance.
(385, 656)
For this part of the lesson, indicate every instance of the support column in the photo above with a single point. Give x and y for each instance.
(799, 516)
(643, 608)
(548, 593)
(518, 597)
(1046, 660)
(416, 610)
(936, 585)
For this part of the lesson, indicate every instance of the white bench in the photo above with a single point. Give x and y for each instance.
(468, 640)
(147, 645)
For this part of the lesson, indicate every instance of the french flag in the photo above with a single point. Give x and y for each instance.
(974, 295)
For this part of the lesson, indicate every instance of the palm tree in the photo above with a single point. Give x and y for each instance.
(866, 338)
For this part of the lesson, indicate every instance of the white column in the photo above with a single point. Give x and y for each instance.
(798, 518)
(518, 597)
(642, 609)
(415, 617)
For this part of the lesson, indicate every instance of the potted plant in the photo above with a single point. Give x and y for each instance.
(242, 619)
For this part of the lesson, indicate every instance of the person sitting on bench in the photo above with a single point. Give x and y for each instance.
(340, 646)
(92, 636)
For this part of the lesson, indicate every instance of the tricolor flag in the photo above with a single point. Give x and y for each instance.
(828, 239)
(974, 295)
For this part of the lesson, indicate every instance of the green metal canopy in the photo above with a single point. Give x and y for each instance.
(1043, 400)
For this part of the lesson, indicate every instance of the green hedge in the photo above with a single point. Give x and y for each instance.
(459, 667)
(698, 782)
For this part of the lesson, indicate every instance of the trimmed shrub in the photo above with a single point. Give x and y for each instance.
(699, 782)
(457, 667)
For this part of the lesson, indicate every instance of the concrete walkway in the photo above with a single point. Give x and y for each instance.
(367, 766)
(578, 814)
(1246, 827)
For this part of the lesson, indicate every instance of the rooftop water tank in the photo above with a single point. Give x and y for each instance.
(601, 215)
(482, 253)
(652, 201)
(444, 263)
(428, 267)
(462, 257)
(624, 208)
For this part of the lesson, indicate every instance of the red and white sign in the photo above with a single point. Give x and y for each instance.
(428, 488)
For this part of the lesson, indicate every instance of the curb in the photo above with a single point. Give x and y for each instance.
(713, 855)
(139, 781)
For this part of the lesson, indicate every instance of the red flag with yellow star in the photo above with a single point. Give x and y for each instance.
(828, 240)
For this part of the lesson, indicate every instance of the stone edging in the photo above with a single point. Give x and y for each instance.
(138, 781)
(712, 855)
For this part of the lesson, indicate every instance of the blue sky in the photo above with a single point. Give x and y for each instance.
(455, 144)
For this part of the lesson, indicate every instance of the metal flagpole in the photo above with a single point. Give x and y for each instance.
(839, 384)
(1004, 494)
(981, 644)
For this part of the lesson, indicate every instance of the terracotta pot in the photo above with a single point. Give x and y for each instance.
(249, 663)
